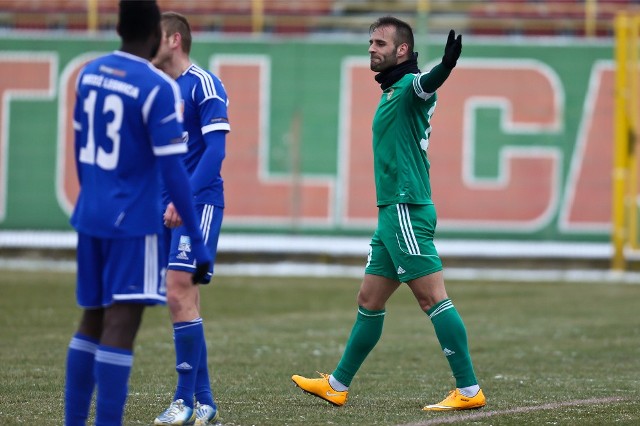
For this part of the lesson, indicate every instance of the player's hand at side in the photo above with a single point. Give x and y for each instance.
(203, 261)
(452, 50)
(171, 217)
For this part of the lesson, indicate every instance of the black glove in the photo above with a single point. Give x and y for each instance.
(202, 268)
(452, 50)
(203, 261)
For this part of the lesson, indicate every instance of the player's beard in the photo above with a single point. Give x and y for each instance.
(387, 62)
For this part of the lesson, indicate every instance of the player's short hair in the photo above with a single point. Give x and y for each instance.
(137, 19)
(173, 22)
(404, 33)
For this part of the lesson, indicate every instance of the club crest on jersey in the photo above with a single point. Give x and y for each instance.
(389, 94)
(185, 243)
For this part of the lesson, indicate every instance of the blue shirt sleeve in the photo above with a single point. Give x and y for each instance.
(205, 174)
(212, 101)
(164, 119)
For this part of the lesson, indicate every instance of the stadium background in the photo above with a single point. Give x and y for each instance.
(521, 146)
(522, 153)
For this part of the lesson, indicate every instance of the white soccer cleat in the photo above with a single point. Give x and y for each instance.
(177, 414)
(206, 415)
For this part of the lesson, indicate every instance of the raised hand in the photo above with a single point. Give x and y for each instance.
(452, 50)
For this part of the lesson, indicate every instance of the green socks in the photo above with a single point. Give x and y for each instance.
(449, 329)
(452, 335)
(365, 334)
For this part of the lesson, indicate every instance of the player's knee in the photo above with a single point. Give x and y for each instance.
(178, 284)
(177, 301)
(369, 303)
(182, 295)
(425, 305)
(426, 302)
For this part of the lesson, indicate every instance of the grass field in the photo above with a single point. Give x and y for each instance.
(562, 354)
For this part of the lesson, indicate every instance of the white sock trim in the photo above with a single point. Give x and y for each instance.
(470, 391)
(336, 385)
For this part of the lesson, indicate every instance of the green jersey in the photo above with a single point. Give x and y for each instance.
(401, 133)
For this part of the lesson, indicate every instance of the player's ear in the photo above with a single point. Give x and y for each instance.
(176, 39)
(402, 50)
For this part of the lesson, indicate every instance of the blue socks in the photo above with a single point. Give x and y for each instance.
(90, 364)
(79, 381)
(203, 386)
(112, 370)
(189, 343)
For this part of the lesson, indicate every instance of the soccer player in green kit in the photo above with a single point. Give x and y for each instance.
(402, 249)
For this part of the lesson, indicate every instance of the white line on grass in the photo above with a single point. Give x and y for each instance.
(518, 410)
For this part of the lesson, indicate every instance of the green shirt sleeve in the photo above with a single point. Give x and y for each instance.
(433, 79)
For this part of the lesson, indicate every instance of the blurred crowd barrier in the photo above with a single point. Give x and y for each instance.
(504, 17)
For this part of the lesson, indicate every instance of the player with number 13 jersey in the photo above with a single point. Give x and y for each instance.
(115, 90)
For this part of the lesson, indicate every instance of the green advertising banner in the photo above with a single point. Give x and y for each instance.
(520, 149)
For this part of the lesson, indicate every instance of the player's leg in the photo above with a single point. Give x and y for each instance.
(132, 280)
(374, 292)
(114, 359)
(190, 346)
(206, 408)
(79, 382)
(452, 336)
(182, 297)
(188, 332)
(79, 378)
(378, 285)
(425, 279)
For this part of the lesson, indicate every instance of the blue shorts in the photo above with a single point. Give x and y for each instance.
(179, 243)
(402, 247)
(120, 270)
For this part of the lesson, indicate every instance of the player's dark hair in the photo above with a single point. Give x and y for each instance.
(173, 22)
(404, 33)
(137, 19)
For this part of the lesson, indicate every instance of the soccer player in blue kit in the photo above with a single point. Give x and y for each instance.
(128, 135)
(206, 125)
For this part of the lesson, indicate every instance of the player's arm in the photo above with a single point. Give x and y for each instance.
(432, 80)
(214, 125)
(165, 126)
(176, 182)
(211, 161)
(203, 176)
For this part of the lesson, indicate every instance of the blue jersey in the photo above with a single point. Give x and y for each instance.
(126, 114)
(205, 111)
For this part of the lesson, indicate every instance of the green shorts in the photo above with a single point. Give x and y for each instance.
(402, 247)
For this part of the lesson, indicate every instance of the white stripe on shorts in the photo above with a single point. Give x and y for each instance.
(205, 221)
(407, 230)
(151, 273)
